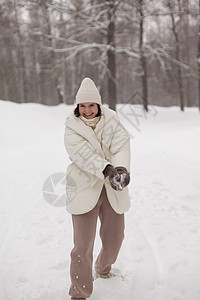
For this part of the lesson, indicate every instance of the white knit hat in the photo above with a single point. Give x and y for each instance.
(88, 92)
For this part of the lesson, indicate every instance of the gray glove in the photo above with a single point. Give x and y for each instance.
(124, 176)
(118, 177)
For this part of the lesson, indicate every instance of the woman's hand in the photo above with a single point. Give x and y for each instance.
(118, 177)
(125, 176)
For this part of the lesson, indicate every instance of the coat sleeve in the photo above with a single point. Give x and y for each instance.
(82, 154)
(120, 147)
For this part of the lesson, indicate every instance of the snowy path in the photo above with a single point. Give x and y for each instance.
(160, 254)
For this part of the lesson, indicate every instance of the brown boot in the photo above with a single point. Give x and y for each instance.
(104, 276)
(78, 298)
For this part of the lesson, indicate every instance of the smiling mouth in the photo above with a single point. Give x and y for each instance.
(89, 115)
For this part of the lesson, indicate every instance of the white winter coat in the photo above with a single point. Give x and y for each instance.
(89, 158)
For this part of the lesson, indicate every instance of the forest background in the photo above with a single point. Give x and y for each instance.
(137, 51)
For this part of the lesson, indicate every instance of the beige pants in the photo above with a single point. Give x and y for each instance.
(111, 233)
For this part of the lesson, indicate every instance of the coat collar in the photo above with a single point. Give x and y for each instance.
(110, 121)
(85, 131)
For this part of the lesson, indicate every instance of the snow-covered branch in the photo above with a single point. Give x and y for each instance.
(78, 48)
(161, 53)
(128, 52)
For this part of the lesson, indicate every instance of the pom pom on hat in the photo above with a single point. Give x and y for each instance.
(88, 92)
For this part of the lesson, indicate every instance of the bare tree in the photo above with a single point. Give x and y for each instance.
(177, 45)
(198, 59)
(142, 56)
(111, 53)
(21, 56)
(51, 42)
(99, 20)
(8, 85)
(186, 26)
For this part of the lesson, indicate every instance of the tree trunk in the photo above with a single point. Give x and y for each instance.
(187, 55)
(177, 55)
(199, 58)
(51, 43)
(21, 60)
(143, 58)
(112, 93)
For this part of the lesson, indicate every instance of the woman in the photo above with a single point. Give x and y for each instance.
(97, 179)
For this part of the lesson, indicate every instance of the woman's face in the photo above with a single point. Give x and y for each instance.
(88, 110)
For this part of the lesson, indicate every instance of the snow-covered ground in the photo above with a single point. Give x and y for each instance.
(160, 256)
